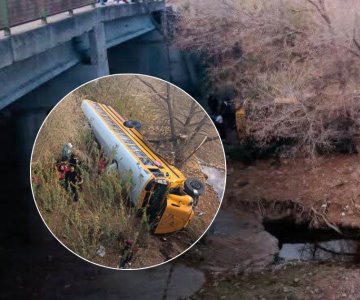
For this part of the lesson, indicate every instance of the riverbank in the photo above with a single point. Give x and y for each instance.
(289, 281)
(326, 188)
(242, 260)
(246, 257)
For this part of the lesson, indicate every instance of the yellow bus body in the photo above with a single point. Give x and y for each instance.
(175, 211)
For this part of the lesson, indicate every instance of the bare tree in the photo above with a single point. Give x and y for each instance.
(190, 127)
(294, 63)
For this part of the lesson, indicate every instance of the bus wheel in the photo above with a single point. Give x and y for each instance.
(132, 124)
(193, 187)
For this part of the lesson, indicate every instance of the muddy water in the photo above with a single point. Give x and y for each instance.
(256, 244)
(215, 178)
(298, 242)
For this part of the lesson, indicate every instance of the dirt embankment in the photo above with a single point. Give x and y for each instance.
(326, 189)
(292, 281)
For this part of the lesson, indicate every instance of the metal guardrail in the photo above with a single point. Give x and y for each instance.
(16, 12)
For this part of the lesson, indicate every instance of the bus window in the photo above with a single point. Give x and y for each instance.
(156, 172)
(149, 185)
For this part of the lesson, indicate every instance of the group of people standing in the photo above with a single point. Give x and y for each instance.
(69, 176)
(68, 172)
(103, 2)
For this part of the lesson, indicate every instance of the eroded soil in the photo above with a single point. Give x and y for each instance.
(330, 185)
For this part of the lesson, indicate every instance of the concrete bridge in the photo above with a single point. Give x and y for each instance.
(42, 61)
(35, 54)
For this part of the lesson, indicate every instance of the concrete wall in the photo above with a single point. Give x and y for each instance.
(148, 54)
(144, 55)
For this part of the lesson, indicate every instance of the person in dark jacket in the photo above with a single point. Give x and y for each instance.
(227, 109)
(213, 104)
(74, 160)
(73, 182)
(219, 124)
(127, 254)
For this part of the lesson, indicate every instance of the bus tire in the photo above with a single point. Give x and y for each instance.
(132, 124)
(191, 185)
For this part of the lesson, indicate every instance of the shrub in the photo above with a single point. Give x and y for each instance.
(294, 65)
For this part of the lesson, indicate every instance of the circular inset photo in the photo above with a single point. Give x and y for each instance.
(128, 171)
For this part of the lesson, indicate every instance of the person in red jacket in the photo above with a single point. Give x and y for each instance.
(101, 164)
(61, 169)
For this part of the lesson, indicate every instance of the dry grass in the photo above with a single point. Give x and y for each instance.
(306, 51)
(102, 216)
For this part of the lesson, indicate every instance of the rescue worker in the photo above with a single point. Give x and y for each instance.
(228, 111)
(213, 104)
(73, 182)
(127, 254)
(101, 163)
(66, 152)
(74, 160)
(219, 123)
(61, 169)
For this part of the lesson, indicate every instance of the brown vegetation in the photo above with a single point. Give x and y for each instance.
(294, 66)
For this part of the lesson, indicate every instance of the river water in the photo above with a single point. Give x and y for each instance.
(215, 178)
(299, 242)
(332, 250)
(168, 282)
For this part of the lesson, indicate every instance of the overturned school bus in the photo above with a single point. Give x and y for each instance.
(156, 186)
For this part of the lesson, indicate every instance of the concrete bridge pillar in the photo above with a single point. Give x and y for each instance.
(98, 50)
(27, 125)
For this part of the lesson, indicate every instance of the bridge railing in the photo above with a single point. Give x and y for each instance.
(15, 12)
